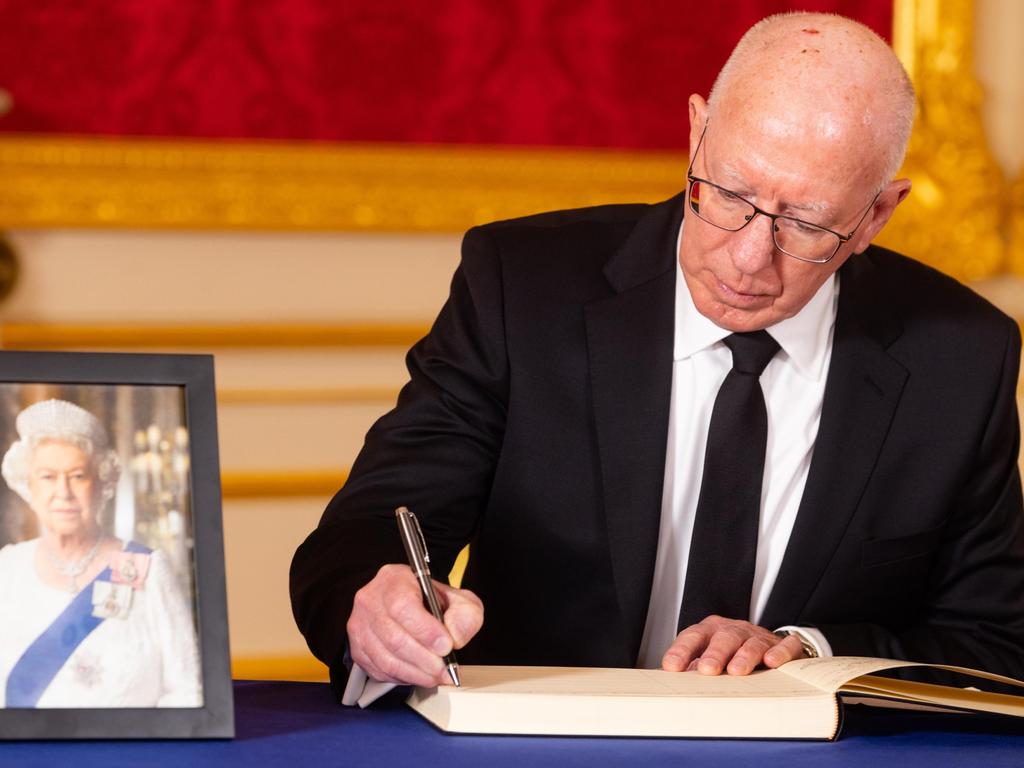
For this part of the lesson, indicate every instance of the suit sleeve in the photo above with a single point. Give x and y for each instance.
(975, 612)
(435, 453)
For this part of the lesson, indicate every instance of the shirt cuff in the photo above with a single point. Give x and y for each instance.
(811, 635)
(362, 689)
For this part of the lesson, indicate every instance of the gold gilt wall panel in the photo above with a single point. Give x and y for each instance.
(290, 186)
(956, 217)
(1017, 227)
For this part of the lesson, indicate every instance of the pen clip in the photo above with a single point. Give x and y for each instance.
(419, 535)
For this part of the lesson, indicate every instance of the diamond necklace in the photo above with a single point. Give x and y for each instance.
(75, 569)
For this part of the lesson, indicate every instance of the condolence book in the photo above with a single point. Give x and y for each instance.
(800, 700)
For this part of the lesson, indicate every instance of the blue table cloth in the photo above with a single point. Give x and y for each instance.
(299, 725)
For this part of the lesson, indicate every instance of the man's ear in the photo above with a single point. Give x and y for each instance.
(698, 119)
(894, 193)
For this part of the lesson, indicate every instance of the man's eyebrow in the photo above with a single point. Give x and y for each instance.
(734, 181)
(817, 208)
(733, 177)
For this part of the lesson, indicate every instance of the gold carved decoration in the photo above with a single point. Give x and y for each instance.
(277, 484)
(306, 395)
(61, 182)
(9, 268)
(29, 336)
(1017, 226)
(953, 218)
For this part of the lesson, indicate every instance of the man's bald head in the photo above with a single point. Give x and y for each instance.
(824, 78)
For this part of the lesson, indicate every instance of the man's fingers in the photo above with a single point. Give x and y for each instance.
(749, 655)
(381, 663)
(391, 649)
(718, 644)
(688, 645)
(724, 643)
(464, 614)
(391, 635)
(790, 648)
(407, 611)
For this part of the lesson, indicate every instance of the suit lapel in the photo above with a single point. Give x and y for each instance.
(629, 347)
(861, 394)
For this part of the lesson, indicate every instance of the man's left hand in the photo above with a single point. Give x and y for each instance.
(737, 647)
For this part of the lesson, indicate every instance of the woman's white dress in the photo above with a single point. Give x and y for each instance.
(149, 658)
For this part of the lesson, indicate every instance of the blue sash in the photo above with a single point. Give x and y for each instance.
(42, 660)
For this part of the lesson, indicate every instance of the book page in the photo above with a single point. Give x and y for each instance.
(833, 672)
(853, 675)
(942, 695)
(593, 681)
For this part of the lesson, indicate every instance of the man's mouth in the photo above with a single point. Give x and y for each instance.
(739, 298)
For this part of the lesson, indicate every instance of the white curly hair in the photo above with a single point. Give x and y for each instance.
(60, 421)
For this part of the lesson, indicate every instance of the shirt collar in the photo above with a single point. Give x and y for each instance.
(804, 338)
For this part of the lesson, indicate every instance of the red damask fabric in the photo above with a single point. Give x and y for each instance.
(598, 73)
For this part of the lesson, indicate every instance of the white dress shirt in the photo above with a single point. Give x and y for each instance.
(794, 387)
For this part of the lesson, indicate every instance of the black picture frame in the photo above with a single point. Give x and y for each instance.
(195, 375)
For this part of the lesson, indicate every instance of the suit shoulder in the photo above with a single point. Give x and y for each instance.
(603, 225)
(554, 246)
(597, 214)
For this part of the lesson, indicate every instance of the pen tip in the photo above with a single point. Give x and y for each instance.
(454, 672)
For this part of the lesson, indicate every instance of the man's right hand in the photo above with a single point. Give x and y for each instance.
(396, 640)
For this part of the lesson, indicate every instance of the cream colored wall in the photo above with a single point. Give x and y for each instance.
(216, 277)
(999, 63)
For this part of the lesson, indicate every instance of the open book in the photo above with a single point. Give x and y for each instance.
(800, 700)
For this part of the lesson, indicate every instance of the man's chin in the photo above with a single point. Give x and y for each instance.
(741, 319)
(744, 327)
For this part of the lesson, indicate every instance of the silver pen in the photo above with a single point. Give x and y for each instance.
(419, 561)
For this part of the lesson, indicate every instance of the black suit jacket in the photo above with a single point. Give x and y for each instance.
(535, 425)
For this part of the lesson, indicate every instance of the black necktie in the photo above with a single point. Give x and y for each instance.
(720, 571)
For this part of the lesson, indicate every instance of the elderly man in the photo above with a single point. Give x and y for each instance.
(716, 433)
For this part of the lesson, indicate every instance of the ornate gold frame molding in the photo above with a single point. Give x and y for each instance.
(90, 182)
(29, 336)
(956, 216)
(1017, 227)
(322, 483)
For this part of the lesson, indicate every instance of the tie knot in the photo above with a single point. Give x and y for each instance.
(751, 352)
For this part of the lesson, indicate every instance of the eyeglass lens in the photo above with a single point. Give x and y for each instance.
(726, 210)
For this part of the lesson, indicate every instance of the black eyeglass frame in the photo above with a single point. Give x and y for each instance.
(690, 179)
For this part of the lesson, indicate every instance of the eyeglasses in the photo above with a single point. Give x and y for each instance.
(727, 210)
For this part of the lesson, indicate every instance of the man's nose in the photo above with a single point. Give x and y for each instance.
(754, 247)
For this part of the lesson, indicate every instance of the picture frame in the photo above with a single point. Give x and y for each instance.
(159, 521)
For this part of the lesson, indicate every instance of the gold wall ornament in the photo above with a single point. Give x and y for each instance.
(140, 336)
(276, 484)
(954, 216)
(1017, 227)
(242, 185)
(8, 268)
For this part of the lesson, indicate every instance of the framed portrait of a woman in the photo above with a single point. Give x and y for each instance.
(111, 548)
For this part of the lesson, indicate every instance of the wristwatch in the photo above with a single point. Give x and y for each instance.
(809, 650)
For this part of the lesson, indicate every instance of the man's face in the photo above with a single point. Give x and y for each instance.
(740, 280)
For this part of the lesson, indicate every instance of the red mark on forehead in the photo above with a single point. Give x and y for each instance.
(810, 31)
